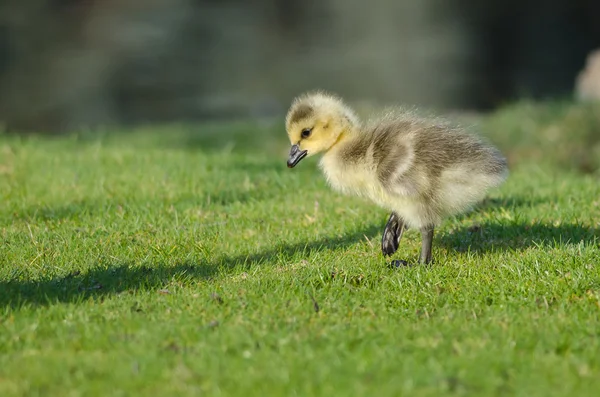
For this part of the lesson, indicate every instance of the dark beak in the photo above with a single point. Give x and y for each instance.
(295, 156)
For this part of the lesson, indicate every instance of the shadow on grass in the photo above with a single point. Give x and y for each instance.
(508, 203)
(492, 237)
(123, 277)
(490, 204)
(493, 204)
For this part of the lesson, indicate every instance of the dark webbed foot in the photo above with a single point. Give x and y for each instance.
(392, 234)
(426, 243)
(396, 263)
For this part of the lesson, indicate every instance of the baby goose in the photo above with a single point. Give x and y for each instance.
(420, 170)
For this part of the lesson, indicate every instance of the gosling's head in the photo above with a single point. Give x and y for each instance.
(315, 123)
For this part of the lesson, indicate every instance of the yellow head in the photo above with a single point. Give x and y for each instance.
(315, 123)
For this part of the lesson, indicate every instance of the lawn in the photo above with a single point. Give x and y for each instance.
(190, 261)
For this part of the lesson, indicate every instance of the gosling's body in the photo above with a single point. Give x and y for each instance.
(419, 169)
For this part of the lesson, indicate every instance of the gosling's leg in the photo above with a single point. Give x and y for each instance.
(392, 234)
(426, 243)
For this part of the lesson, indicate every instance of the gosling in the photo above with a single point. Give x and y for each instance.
(422, 170)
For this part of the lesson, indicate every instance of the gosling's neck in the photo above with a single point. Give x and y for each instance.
(336, 166)
(347, 136)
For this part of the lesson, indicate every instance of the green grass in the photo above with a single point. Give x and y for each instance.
(184, 262)
(560, 133)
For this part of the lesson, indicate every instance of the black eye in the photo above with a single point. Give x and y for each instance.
(306, 132)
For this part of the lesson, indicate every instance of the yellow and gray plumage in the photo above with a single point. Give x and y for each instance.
(420, 169)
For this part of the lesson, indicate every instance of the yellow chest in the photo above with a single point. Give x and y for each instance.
(355, 179)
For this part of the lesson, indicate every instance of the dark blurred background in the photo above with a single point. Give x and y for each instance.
(66, 64)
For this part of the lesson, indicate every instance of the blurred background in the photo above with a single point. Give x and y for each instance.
(67, 64)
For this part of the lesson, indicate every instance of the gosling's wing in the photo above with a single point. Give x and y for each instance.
(394, 161)
(416, 155)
